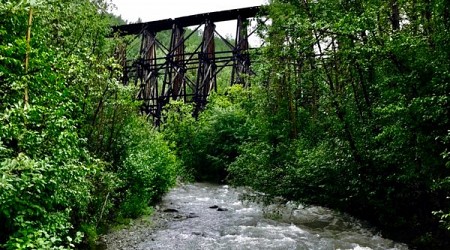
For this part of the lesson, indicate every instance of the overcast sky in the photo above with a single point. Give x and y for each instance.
(150, 10)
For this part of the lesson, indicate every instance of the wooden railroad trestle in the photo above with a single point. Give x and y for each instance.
(161, 79)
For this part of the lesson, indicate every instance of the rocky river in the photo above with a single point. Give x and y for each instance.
(207, 216)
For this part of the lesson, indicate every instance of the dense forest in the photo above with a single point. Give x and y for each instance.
(349, 109)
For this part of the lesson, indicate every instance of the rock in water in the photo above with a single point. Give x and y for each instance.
(192, 215)
(170, 210)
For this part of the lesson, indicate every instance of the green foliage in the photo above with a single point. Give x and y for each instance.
(149, 168)
(179, 129)
(34, 196)
(352, 113)
(76, 154)
(207, 146)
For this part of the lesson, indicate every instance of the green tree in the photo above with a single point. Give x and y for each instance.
(354, 113)
(65, 122)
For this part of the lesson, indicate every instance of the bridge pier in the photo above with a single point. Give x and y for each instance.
(174, 82)
(206, 77)
(147, 77)
(241, 62)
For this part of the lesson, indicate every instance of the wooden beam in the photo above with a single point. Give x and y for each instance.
(186, 21)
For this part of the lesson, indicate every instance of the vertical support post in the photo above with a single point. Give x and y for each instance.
(241, 58)
(176, 65)
(148, 75)
(206, 78)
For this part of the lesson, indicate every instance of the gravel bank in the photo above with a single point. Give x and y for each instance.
(139, 230)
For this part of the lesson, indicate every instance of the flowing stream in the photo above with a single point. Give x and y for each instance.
(209, 216)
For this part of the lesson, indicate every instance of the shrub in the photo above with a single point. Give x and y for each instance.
(209, 144)
(149, 168)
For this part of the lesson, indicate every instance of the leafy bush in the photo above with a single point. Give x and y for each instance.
(149, 168)
(179, 130)
(35, 197)
(207, 146)
(73, 152)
